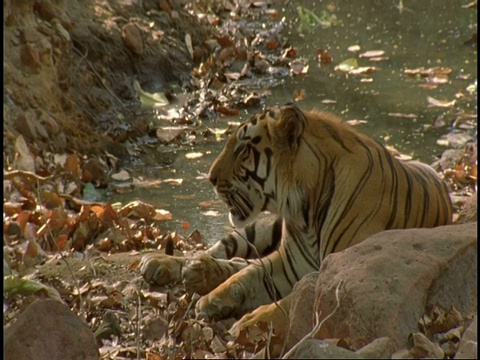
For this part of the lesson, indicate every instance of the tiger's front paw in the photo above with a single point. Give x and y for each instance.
(161, 269)
(198, 275)
(227, 300)
(275, 314)
(203, 273)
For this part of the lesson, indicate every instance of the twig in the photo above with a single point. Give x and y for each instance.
(318, 324)
(269, 339)
(272, 288)
(103, 83)
(8, 175)
(269, 276)
(137, 328)
(80, 202)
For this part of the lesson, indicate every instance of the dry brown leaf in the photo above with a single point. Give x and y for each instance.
(185, 225)
(170, 133)
(122, 175)
(61, 241)
(218, 345)
(12, 208)
(195, 236)
(372, 53)
(161, 214)
(80, 236)
(354, 48)
(72, 165)
(51, 200)
(289, 53)
(421, 71)
(176, 182)
(226, 111)
(323, 56)
(439, 103)
(213, 213)
(355, 122)
(22, 220)
(188, 43)
(299, 95)
(299, 69)
(402, 115)
(140, 183)
(194, 155)
(210, 203)
(362, 70)
(138, 209)
(424, 348)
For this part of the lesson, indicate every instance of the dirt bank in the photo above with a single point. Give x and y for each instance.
(70, 67)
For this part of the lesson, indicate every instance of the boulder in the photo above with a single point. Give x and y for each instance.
(49, 330)
(467, 349)
(318, 349)
(301, 310)
(382, 348)
(390, 279)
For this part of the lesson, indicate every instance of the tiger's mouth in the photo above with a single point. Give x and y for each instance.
(239, 208)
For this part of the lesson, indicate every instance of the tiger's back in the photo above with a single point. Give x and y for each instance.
(366, 188)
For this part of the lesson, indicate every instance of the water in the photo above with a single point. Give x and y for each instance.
(421, 34)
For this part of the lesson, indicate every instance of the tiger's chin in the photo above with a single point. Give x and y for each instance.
(238, 220)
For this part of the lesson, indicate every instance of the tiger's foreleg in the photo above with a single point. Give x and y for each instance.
(262, 282)
(257, 239)
(203, 273)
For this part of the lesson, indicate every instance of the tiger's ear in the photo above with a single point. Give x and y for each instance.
(289, 128)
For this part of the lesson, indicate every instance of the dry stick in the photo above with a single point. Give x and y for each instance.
(8, 175)
(318, 324)
(270, 282)
(137, 327)
(122, 105)
(269, 339)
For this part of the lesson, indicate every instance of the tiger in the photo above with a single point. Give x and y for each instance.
(325, 186)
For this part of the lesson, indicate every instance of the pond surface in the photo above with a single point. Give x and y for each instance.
(412, 34)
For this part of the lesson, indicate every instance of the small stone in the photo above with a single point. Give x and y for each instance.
(30, 57)
(25, 124)
(132, 38)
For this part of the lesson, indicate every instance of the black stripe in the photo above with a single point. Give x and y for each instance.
(390, 161)
(276, 236)
(250, 232)
(336, 137)
(305, 252)
(268, 282)
(292, 266)
(350, 202)
(230, 245)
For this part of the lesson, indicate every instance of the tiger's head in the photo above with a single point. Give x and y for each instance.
(255, 170)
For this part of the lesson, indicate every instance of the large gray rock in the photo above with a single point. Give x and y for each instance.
(318, 349)
(301, 310)
(382, 348)
(48, 330)
(467, 349)
(390, 279)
